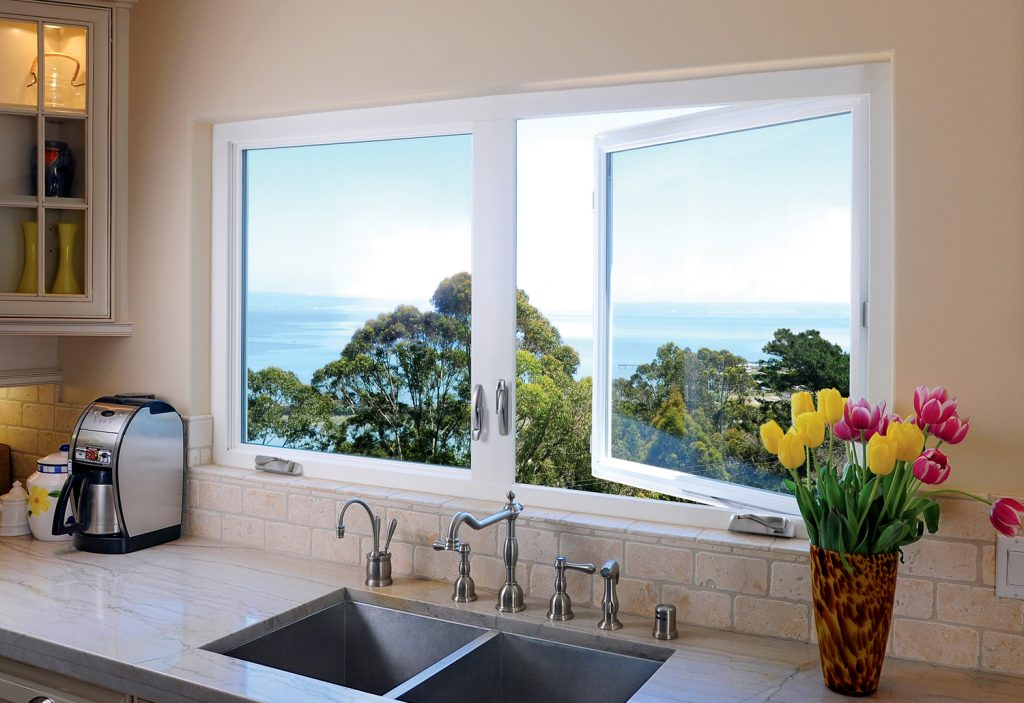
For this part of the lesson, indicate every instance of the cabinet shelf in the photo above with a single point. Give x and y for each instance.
(12, 109)
(18, 201)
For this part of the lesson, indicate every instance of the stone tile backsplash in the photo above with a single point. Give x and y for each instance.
(946, 610)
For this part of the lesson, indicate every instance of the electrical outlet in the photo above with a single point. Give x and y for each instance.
(1010, 567)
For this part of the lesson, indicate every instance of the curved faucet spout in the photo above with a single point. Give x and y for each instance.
(451, 542)
(374, 522)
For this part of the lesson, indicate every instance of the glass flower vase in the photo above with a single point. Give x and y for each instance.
(852, 615)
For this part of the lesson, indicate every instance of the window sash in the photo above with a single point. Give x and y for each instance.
(704, 124)
(491, 121)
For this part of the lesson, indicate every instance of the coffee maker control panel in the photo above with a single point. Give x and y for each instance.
(93, 455)
(103, 417)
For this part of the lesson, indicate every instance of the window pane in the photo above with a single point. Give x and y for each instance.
(357, 298)
(555, 269)
(729, 289)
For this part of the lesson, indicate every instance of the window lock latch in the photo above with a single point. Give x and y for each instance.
(277, 465)
(772, 525)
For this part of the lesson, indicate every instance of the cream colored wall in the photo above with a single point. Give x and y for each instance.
(959, 152)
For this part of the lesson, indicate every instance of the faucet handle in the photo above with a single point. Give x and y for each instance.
(560, 606)
(561, 564)
(392, 526)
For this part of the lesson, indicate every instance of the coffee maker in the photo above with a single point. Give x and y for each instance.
(127, 460)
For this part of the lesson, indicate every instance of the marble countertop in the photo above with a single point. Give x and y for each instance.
(137, 623)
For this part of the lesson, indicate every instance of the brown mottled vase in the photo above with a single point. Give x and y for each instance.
(852, 614)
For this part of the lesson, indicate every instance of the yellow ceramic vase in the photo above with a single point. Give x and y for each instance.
(66, 281)
(29, 282)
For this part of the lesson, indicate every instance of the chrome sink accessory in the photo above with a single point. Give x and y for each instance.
(378, 562)
(560, 607)
(772, 525)
(665, 622)
(610, 600)
(510, 597)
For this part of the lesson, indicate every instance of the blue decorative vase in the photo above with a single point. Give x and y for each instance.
(59, 170)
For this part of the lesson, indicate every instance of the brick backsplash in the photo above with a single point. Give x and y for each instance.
(946, 610)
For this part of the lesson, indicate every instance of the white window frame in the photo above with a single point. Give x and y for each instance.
(708, 124)
(492, 123)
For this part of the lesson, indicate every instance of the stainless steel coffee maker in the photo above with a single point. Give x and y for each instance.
(127, 462)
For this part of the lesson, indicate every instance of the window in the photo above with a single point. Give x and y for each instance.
(373, 267)
(356, 308)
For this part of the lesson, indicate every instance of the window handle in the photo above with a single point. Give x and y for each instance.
(501, 406)
(478, 411)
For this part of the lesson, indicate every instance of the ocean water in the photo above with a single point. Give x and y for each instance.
(302, 333)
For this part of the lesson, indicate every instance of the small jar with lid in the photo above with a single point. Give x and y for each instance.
(12, 512)
(44, 488)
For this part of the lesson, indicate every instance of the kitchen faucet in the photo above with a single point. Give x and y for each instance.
(510, 597)
(378, 561)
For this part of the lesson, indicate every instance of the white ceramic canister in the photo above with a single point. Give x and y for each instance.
(43, 490)
(12, 512)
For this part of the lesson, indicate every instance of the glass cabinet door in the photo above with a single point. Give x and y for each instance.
(54, 160)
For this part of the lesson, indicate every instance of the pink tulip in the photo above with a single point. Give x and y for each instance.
(935, 413)
(1006, 516)
(863, 419)
(933, 406)
(952, 431)
(932, 467)
(883, 425)
(922, 394)
(842, 431)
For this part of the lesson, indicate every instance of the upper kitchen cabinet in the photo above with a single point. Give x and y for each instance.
(63, 111)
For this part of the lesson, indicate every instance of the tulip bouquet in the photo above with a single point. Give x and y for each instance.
(874, 503)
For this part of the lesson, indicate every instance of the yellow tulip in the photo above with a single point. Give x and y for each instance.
(801, 402)
(771, 433)
(811, 428)
(881, 454)
(791, 450)
(909, 440)
(830, 405)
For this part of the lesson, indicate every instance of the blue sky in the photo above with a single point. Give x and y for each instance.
(386, 219)
(756, 215)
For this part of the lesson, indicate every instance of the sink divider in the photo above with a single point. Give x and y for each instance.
(430, 671)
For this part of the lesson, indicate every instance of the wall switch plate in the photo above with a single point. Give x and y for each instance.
(1010, 567)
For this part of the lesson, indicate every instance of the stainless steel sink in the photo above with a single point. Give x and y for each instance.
(360, 646)
(452, 658)
(509, 668)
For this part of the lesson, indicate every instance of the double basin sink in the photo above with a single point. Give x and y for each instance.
(423, 658)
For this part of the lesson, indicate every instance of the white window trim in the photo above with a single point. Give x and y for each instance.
(491, 120)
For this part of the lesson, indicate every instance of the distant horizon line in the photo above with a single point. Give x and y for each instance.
(621, 302)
